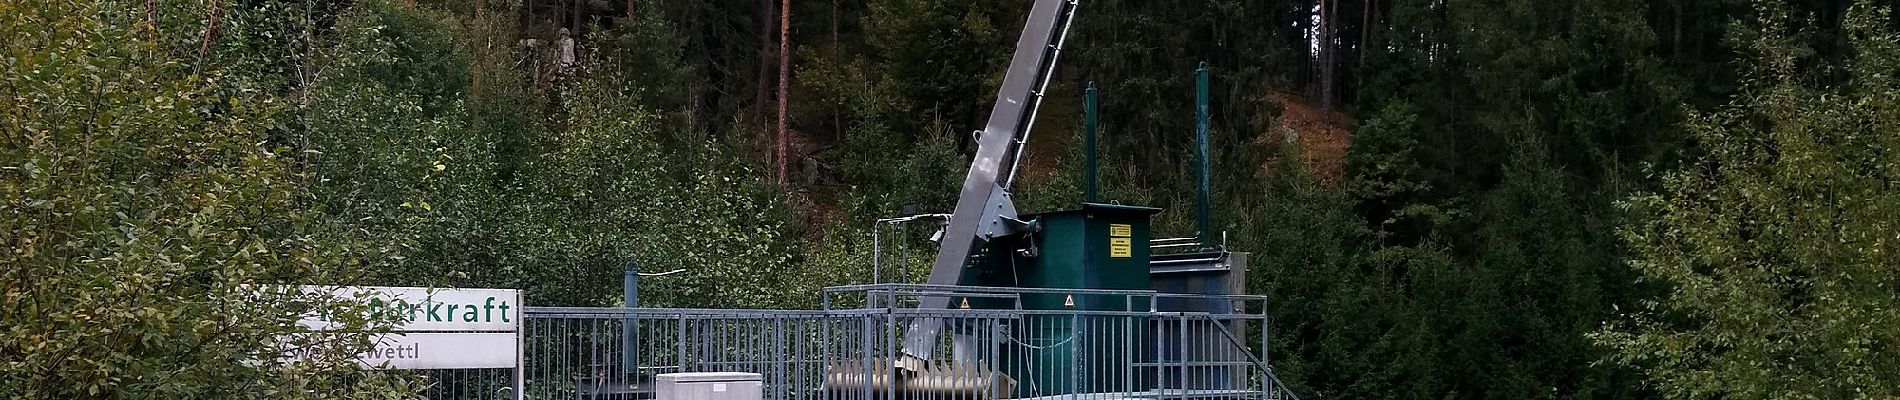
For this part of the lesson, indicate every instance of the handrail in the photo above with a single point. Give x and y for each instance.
(1236, 342)
(1032, 290)
(704, 313)
(1281, 387)
(1257, 362)
(982, 289)
(1132, 298)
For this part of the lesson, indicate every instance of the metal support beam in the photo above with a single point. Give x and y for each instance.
(1089, 115)
(1201, 206)
(985, 192)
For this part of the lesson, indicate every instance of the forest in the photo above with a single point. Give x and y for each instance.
(1509, 199)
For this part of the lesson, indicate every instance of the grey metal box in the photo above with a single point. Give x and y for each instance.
(708, 386)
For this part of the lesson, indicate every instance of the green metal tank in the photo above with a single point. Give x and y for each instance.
(1099, 246)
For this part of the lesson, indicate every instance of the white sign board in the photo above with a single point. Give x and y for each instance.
(434, 350)
(441, 328)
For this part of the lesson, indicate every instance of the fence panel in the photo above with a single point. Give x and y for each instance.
(856, 354)
(468, 384)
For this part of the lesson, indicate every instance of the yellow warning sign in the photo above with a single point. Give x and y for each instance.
(1120, 230)
(1121, 247)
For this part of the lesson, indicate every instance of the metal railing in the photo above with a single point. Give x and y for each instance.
(1107, 345)
(464, 384)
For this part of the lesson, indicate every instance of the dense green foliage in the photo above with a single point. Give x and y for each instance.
(145, 217)
(1778, 241)
(1541, 198)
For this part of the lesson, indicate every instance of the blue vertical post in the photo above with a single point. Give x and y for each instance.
(630, 335)
(1089, 112)
(1200, 138)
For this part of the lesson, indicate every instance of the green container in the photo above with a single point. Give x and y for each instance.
(1100, 246)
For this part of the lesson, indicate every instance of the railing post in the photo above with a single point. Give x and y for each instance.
(864, 353)
(520, 356)
(1161, 376)
(877, 253)
(778, 332)
(1075, 354)
(1127, 351)
(1266, 365)
(681, 339)
(890, 349)
(1183, 349)
(630, 325)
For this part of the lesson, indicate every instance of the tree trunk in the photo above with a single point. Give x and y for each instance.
(211, 34)
(837, 52)
(1675, 37)
(1326, 50)
(1365, 30)
(784, 82)
(1309, 36)
(151, 20)
(837, 58)
(761, 98)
